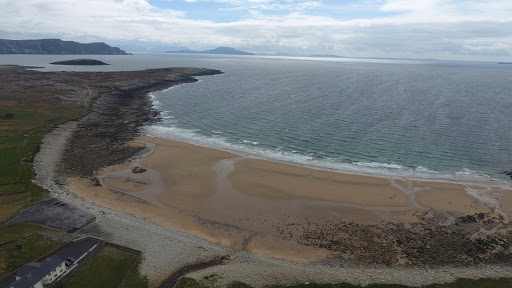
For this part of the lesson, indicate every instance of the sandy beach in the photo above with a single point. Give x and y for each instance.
(282, 210)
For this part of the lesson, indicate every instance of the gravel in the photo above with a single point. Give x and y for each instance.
(259, 271)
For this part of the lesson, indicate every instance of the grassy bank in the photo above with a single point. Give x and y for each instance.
(27, 112)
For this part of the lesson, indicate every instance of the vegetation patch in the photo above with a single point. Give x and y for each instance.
(136, 279)
(29, 108)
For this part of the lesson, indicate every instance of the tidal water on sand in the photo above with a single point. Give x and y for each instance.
(419, 118)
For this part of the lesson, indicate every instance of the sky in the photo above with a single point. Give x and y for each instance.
(479, 30)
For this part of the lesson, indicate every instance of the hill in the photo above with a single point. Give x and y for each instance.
(56, 46)
(218, 50)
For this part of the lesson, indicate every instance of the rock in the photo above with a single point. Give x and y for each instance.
(508, 173)
(96, 182)
(138, 170)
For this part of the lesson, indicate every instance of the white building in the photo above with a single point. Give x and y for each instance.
(35, 275)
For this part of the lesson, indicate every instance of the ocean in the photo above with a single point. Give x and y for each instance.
(430, 119)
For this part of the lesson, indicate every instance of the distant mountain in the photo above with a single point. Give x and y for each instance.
(162, 49)
(147, 48)
(218, 50)
(56, 46)
(327, 56)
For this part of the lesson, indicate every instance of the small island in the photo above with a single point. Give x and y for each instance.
(80, 62)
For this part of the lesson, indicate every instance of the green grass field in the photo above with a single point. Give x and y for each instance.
(106, 269)
(27, 245)
(136, 279)
(22, 128)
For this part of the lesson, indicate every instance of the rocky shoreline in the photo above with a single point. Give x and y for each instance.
(116, 117)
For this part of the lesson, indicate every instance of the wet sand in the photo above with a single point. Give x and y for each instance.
(266, 207)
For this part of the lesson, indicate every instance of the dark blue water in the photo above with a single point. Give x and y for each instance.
(430, 119)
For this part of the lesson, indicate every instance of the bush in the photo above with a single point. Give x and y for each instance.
(8, 116)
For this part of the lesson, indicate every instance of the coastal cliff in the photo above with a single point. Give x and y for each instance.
(56, 46)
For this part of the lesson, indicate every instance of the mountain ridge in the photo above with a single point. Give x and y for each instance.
(218, 50)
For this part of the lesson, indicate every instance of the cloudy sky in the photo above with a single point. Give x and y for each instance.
(442, 29)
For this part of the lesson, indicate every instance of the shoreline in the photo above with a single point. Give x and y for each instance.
(447, 179)
(502, 185)
(377, 172)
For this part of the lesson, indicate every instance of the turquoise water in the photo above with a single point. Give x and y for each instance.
(416, 118)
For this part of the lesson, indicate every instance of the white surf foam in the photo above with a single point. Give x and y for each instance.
(251, 149)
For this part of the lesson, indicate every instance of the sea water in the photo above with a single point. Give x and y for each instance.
(435, 119)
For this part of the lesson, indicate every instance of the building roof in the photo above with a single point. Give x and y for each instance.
(27, 268)
(33, 272)
(29, 280)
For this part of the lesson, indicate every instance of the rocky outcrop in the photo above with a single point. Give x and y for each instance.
(138, 170)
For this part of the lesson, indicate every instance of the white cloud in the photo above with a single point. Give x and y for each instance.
(450, 10)
(416, 28)
(265, 4)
